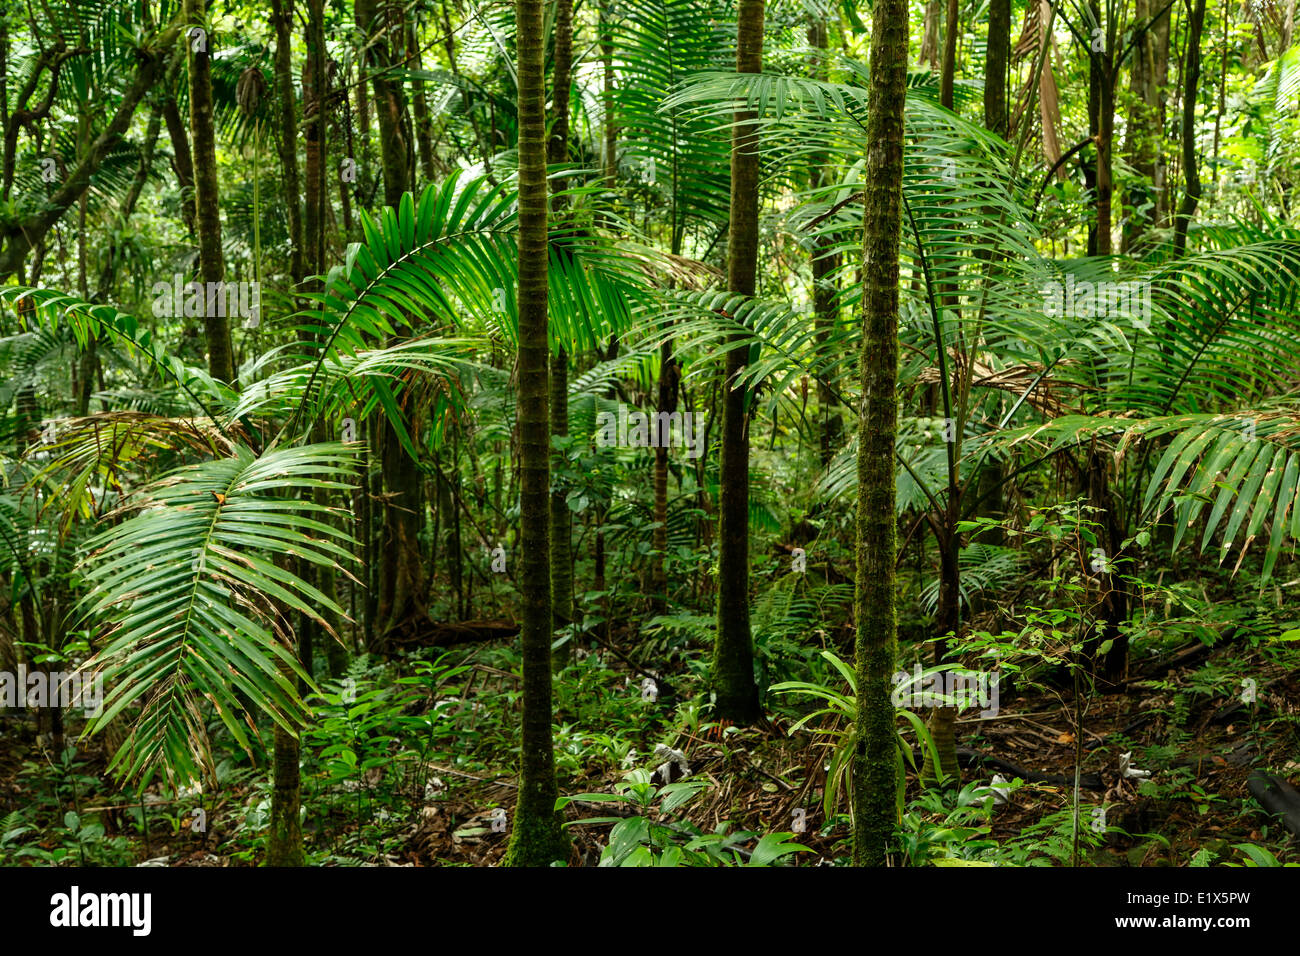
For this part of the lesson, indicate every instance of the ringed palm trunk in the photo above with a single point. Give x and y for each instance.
(875, 759)
(732, 674)
(221, 362)
(557, 152)
(536, 838)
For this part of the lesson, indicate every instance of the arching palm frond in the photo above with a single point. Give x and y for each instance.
(193, 600)
(680, 158)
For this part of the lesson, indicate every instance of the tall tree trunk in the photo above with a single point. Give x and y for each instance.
(420, 104)
(1148, 77)
(315, 96)
(284, 838)
(948, 74)
(1191, 82)
(667, 402)
(825, 264)
(282, 19)
(221, 360)
(609, 151)
(536, 838)
(557, 153)
(732, 675)
(998, 54)
(400, 608)
(934, 10)
(1105, 62)
(875, 768)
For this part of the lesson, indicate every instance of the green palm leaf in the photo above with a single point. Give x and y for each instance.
(192, 598)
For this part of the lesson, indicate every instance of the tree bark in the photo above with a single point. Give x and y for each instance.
(732, 676)
(998, 55)
(282, 19)
(536, 838)
(948, 74)
(875, 771)
(557, 153)
(212, 267)
(400, 608)
(1191, 82)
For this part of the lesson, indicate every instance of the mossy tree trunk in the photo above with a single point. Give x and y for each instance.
(557, 152)
(536, 838)
(221, 360)
(735, 695)
(875, 759)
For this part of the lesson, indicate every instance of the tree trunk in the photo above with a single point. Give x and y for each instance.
(948, 74)
(536, 838)
(998, 55)
(1148, 77)
(732, 676)
(930, 33)
(557, 153)
(221, 362)
(825, 264)
(400, 608)
(282, 18)
(875, 760)
(1191, 82)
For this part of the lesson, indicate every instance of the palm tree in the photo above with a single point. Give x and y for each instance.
(735, 694)
(212, 269)
(536, 838)
(875, 767)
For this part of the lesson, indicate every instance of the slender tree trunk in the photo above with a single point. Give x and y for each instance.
(667, 401)
(948, 75)
(998, 55)
(178, 133)
(557, 153)
(825, 264)
(934, 10)
(1191, 83)
(536, 838)
(400, 607)
(420, 105)
(609, 157)
(1148, 69)
(875, 761)
(282, 18)
(221, 360)
(284, 840)
(732, 680)
(1105, 62)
